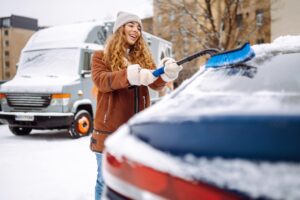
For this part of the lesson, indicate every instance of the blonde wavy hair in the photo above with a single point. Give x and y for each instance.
(115, 52)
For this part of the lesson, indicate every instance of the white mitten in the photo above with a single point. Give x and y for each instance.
(133, 74)
(171, 69)
(146, 77)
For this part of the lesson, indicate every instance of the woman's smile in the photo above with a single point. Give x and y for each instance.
(132, 32)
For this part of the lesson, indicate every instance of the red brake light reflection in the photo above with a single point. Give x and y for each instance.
(162, 184)
(132, 172)
(113, 161)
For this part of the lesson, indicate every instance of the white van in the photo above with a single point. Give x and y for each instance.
(52, 88)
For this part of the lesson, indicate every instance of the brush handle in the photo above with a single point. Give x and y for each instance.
(161, 70)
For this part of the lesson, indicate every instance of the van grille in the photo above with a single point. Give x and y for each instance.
(30, 101)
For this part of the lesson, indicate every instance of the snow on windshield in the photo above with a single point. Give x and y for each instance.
(52, 62)
(243, 175)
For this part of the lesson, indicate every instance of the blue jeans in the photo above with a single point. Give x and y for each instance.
(99, 183)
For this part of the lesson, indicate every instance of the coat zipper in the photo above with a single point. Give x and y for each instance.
(107, 111)
(136, 99)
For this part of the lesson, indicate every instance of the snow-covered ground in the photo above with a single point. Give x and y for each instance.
(46, 165)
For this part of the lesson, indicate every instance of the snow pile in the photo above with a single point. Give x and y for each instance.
(46, 165)
(281, 45)
(257, 179)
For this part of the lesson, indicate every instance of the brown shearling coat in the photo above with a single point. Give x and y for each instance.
(115, 101)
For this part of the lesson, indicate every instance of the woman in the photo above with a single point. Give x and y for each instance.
(126, 61)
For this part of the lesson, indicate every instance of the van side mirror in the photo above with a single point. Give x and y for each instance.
(84, 73)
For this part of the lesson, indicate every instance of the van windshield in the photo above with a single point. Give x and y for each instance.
(50, 62)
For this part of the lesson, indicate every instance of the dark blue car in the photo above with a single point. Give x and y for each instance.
(231, 132)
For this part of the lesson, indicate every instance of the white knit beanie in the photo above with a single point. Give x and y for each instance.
(123, 18)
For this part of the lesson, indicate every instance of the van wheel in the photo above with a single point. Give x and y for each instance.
(20, 130)
(82, 124)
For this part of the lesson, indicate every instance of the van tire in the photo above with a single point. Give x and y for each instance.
(20, 130)
(82, 124)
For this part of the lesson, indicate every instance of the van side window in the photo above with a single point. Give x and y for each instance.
(87, 61)
(162, 55)
(169, 52)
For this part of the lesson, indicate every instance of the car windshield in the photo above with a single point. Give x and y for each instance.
(275, 75)
(50, 62)
(271, 86)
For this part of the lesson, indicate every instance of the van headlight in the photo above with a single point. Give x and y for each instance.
(60, 99)
(3, 99)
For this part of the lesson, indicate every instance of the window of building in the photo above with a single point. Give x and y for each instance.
(6, 53)
(7, 64)
(172, 35)
(260, 40)
(159, 19)
(259, 17)
(5, 32)
(222, 26)
(185, 45)
(239, 20)
(172, 16)
(238, 43)
(6, 22)
(6, 43)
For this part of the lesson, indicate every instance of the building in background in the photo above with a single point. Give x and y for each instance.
(286, 17)
(188, 24)
(14, 33)
(194, 25)
(148, 25)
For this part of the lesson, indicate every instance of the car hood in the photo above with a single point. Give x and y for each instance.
(37, 84)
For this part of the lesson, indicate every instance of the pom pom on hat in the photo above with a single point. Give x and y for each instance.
(123, 18)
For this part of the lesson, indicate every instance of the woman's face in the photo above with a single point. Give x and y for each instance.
(132, 32)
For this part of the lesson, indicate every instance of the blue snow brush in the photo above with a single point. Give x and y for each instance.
(232, 57)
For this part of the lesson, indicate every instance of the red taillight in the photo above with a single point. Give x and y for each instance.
(162, 185)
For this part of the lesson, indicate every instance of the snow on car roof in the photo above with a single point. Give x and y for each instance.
(281, 45)
(70, 35)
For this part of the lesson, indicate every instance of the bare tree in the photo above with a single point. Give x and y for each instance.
(193, 25)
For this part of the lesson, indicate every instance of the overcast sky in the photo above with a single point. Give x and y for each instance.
(55, 12)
